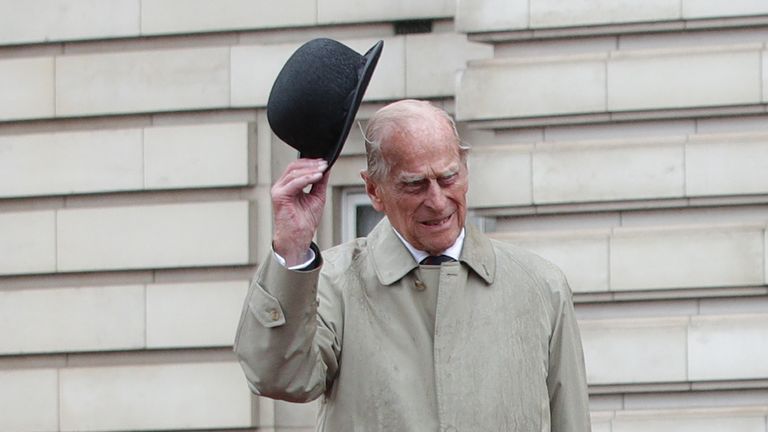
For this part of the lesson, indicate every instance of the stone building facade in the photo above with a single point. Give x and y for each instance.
(625, 140)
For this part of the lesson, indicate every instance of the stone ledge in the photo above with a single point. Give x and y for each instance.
(617, 29)
(613, 117)
(128, 277)
(623, 205)
(704, 419)
(117, 358)
(670, 294)
(697, 412)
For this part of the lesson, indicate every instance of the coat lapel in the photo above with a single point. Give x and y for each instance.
(478, 254)
(392, 261)
(391, 258)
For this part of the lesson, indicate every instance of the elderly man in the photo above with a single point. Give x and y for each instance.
(424, 325)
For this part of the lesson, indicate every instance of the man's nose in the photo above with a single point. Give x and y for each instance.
(436, 198)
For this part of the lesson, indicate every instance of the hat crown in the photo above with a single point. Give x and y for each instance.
(310, 103)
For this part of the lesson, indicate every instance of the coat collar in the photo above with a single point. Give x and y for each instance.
(392, 261)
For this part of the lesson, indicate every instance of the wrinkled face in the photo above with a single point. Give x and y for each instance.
(424, 193)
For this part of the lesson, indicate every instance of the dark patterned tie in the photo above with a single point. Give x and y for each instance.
(436, 260)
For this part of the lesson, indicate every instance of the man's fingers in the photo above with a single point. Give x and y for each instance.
(298, 175)
(300, 164)
(320, 186)
(299, 183)
(301, 168)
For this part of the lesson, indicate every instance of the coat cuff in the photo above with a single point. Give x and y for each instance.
(280, 294)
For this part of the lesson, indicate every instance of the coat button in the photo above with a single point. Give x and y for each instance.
(274, 315)
(420, 286)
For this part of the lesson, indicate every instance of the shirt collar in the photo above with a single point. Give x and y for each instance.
(418, 255)
(392, 259)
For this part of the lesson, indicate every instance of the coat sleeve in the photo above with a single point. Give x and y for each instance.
(285, 347)
(566, 380)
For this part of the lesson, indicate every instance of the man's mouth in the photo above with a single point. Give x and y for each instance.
(437, 222)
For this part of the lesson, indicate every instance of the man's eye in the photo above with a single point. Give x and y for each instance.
(413, 187)
(449, 179)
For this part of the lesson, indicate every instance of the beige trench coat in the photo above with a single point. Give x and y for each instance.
(504, 355)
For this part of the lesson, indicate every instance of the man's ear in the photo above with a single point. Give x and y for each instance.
(372, 189)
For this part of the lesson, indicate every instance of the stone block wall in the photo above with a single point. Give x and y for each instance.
(633, 134)
(135, 168)
(625, 141)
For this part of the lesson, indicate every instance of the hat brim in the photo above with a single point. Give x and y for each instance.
(372, 58)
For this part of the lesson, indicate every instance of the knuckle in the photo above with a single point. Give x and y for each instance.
(276, 191)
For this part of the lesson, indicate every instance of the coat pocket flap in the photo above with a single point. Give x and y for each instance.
(267, 309)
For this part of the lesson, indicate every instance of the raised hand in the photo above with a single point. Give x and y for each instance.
(297, 213)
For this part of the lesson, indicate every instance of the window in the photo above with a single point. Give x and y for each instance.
(358, 216)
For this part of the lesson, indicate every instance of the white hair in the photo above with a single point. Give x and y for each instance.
(403, 115)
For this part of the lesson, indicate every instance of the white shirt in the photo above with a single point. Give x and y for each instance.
(454, 251)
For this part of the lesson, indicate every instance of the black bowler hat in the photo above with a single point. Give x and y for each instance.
(315, 97)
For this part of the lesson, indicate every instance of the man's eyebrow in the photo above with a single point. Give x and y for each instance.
(408, 178)
(450, 171)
